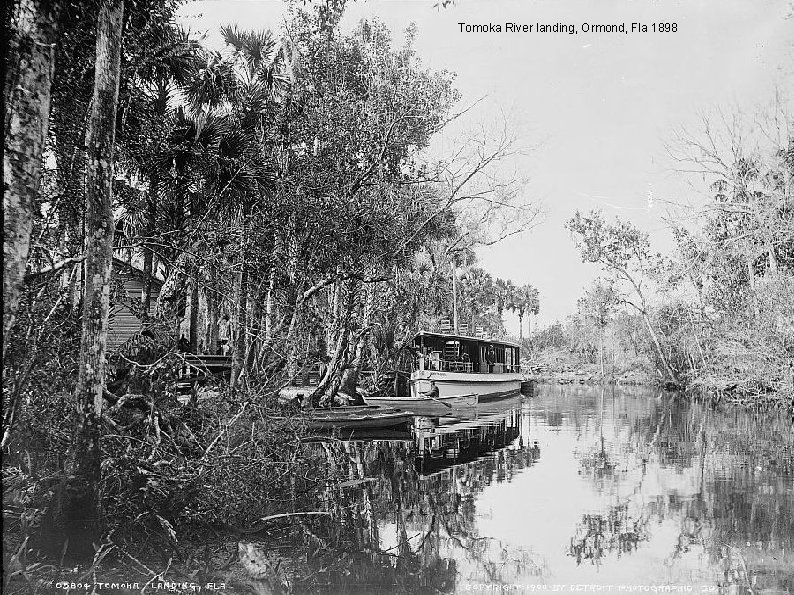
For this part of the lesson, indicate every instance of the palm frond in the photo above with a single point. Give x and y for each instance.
(212, 85)
(257, 49)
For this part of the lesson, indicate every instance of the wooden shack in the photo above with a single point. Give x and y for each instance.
(127, 293)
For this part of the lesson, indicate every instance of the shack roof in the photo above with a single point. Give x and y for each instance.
(130, 268)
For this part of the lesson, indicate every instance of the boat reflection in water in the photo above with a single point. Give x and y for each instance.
(445, 441)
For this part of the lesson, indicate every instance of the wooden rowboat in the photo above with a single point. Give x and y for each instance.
(425, 406)
(358, 417)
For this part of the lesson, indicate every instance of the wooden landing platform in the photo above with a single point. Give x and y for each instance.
(198, 368)
(208, 364)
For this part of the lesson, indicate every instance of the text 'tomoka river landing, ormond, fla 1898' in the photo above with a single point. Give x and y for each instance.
(569, 28)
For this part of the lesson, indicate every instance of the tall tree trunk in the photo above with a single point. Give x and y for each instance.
(254, 318)
(152, 198)
(70, 163)
(75, 287)
(659, 351)
(213, 312)
(334, 310)
(269, 307)
(81, 512)
(27, 89)
(352, 373)
(238, 354)
(169, 304)
(601, 349)
(194, 311)
(454, 300)
(329, 383)
(291, 343)
(520, 328)
(255, 363)
(148, 253)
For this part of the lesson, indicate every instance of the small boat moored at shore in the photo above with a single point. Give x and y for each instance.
(359, 417)
(424, 405)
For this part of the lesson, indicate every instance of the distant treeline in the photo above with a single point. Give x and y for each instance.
(718, 312)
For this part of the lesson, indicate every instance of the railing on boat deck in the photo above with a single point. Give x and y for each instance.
(435, 362)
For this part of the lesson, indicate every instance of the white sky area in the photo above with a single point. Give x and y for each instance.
(596, 109)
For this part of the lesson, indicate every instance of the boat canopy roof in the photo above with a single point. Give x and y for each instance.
(451, 337)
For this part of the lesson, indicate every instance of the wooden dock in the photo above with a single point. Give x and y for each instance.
(198, 368)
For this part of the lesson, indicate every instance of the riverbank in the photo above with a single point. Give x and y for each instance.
(583, 376)
(745, 393)
(732, 395)
(557, 367)
(191, 482)
(561, 367)
(223, 561)
(749, 396)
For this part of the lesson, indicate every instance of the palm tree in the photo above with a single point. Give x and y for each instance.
(505, 294)
(478, 292)
(244, 90)
(165, 71)
(526, 300)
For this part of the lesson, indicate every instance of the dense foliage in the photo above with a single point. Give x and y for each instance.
(277, 203)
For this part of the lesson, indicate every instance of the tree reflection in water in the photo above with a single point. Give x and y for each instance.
(742, 515)
(616, 532)
(596, 462)
(733, 502)
(396, 529)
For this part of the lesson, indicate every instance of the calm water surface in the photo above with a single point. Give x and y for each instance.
(576, 485)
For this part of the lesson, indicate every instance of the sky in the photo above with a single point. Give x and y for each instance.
(594, 110)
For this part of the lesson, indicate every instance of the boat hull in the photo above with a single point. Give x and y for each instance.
(427, 407)
(487, 387)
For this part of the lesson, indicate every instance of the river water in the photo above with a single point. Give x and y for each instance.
(571, 489)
